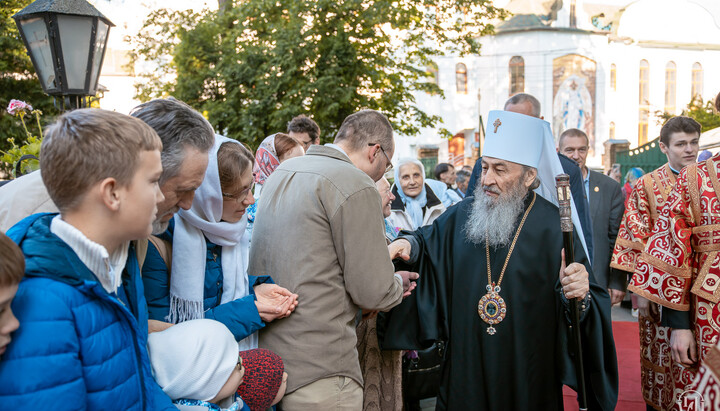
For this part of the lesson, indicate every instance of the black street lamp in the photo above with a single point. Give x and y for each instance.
(66, 41)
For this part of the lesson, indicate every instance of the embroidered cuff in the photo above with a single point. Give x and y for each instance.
(583, 306)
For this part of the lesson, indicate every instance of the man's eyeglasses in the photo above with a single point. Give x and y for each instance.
(389, 163)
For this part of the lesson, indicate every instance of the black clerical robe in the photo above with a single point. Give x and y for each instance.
(524, 365)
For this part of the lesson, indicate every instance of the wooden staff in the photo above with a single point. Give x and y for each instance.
(562, 182)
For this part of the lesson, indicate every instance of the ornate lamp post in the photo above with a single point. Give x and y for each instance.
(66, 41)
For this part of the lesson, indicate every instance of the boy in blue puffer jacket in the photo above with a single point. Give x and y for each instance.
(12, 268)
(79, 345)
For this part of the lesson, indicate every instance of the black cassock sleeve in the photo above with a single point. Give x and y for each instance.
(421, 319)
(598, 346)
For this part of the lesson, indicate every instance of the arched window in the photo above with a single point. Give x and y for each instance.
(613, 77)
(697, 81)
(517, 75)
(432, 72)
(612, 130)
(644, 102)
(670, 87)
(461, 78)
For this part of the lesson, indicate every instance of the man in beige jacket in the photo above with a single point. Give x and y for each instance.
(319, 231)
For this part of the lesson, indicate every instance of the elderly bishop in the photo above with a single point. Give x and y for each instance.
(493, 285)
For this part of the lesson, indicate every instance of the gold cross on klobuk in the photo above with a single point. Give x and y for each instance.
(497, 124)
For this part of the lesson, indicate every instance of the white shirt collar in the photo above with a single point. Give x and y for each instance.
(338, 148)
(107, 268)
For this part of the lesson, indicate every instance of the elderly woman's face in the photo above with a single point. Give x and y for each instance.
(411, 180)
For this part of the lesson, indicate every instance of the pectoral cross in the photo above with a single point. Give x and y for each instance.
(497, 124)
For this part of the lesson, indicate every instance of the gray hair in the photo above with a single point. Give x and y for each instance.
(462, 176)
(536, 183)
(405, 161)
(179, 127)
(366, 127)
(520, 98)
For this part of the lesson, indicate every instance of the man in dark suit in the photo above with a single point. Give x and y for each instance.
(606, 210)
(527, 104)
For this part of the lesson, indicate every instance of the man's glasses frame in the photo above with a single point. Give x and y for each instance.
(390, 164)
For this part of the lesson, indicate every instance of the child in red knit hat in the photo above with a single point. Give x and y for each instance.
(264, 382)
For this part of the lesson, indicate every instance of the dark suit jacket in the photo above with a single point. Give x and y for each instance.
(576, 189)
(606, 211)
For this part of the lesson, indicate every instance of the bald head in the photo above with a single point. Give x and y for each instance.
(523, 103)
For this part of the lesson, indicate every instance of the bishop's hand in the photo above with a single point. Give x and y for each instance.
(574, 279)
(400, 249)
(408, 280)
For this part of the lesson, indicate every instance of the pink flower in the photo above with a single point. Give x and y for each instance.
(16, 106)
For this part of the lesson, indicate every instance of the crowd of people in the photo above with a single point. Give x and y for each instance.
(152, 263)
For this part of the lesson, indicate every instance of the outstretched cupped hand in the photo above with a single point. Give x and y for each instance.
(274, 302)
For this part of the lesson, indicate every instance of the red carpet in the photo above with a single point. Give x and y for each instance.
(627, 345)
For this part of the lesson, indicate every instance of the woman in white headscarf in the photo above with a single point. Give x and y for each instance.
(415, 203)
(210, 253)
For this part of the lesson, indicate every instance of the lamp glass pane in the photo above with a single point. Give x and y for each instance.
(36, 33)
(98, 52)
(75, 32)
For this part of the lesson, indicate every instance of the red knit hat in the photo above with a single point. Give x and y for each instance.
(263, 377)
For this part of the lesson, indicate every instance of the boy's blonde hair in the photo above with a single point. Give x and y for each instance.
(12, 262)
(86, 146)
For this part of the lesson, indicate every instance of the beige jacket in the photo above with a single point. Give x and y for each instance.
(319, 232)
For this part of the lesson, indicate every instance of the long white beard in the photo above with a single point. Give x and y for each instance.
(495, 216)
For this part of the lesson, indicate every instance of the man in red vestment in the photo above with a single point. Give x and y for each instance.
(679, 141)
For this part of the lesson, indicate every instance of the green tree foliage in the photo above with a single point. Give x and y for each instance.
(703, 112)
(17, 78)
(252, 67)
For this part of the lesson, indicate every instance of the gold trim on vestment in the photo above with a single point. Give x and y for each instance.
(650, 181)
(699, 287)
(681, 272)
(712, 361)
(654, 298)
(649, 364)
(623, 267)
(705, 238)
(692, 184)
(635, 245)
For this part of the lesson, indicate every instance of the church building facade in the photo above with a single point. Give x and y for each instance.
(602, 66)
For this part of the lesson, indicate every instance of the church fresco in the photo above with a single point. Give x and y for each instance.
(574, 95)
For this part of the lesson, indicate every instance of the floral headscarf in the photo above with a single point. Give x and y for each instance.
(266, 160)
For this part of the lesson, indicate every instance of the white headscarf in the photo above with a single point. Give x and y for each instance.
(413, 205)
(194, 359)
(187, 281)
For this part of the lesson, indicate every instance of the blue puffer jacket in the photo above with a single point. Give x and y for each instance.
(240, 316)
(78, 347)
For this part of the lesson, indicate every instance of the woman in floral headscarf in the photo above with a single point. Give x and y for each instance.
(272, 151)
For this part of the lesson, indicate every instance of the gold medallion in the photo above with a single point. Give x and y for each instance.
(491, 308)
